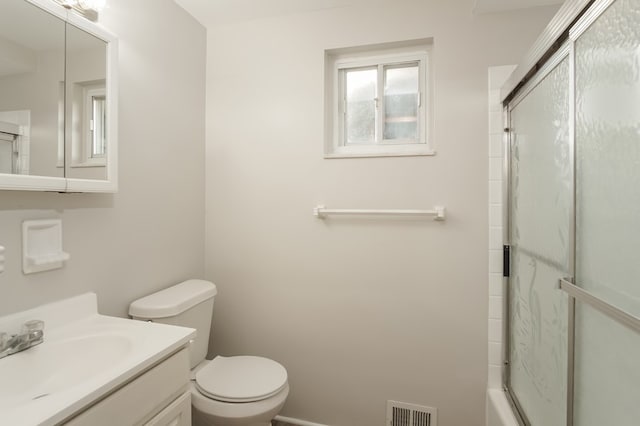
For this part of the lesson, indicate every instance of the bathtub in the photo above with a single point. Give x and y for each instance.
(499, 411)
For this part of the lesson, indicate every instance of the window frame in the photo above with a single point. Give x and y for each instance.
(381, 60)
(82, 140)
(89, 122)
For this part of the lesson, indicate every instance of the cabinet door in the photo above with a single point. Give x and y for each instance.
(137, 401)
(178, 413)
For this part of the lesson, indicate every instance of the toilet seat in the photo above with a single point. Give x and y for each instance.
(240, 379)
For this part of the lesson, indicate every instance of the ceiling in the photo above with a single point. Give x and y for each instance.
(491, 6)
(216, 12)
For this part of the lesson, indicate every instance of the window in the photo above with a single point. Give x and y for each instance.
(379, 103)
(89, 130)
(96, 125)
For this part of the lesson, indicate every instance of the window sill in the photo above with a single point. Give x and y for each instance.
(380, 151)
(88, 164)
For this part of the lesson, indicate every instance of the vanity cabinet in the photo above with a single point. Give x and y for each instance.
(178, 413)
(158, 397)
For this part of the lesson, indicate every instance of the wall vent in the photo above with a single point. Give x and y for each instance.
(403, 414)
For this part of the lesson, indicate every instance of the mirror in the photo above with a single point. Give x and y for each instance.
(85, 145)
(57, 100)
(31, 89)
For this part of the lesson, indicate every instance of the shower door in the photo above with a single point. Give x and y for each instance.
(573, 289)
(539, 235)
(607, 138)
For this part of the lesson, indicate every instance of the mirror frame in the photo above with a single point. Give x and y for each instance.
(64, 184)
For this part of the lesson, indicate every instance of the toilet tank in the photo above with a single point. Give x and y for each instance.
(188, 304)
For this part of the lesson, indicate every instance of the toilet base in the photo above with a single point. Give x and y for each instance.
(209, 412)
(197, 419)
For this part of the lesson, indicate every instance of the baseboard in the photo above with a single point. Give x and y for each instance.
(296, 422)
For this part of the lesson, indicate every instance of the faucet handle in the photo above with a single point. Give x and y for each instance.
(33, 332)
(33, 325)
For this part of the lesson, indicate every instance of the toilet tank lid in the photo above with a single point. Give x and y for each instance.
(173, 300)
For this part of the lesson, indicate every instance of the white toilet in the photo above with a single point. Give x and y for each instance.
(226, 391)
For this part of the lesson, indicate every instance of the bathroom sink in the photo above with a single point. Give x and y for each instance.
(84, 357)
(48, 368)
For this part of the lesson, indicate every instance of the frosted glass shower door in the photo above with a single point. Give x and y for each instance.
(607, 363)
(540, 202)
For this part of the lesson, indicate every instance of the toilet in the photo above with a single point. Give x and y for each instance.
(225, 391)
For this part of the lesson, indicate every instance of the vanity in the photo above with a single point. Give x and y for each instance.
(95, 370)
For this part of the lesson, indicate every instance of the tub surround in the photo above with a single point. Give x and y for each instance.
(498, 409)
(499, 412)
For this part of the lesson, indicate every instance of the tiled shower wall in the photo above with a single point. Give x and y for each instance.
(497, 77)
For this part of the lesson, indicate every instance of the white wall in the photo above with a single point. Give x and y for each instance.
(150, 234)
(358, 310)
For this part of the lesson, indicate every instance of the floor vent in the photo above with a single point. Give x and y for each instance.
(402, 414)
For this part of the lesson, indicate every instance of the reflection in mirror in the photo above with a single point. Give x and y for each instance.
(32, 44)
(86, 125)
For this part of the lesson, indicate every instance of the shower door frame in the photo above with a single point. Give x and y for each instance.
(562, 46)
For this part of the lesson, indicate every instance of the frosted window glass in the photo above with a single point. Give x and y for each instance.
(607, 371)
(608, 156)
(401, 92)
(540, 215)
(360, 89)
(99, 128)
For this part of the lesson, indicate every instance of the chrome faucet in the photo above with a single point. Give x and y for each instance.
(32, 334)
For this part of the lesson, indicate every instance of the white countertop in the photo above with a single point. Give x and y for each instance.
(84, 356)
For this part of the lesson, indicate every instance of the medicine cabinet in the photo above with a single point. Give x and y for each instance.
(58, 100)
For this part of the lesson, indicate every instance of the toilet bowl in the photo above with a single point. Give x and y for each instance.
(237, 391)
(225, 391)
